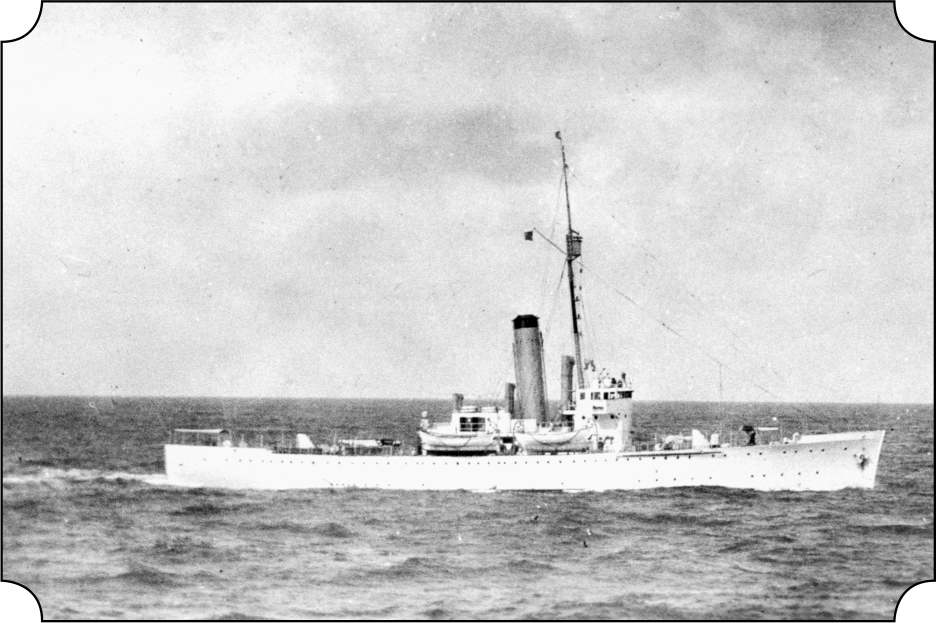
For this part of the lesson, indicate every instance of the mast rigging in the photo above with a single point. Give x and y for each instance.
(573, 251)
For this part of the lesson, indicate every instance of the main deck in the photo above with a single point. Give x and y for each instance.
(821, 463)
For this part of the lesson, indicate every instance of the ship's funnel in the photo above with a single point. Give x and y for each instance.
(528, 364)
(458, 399)
(509, 389)
(568, 390)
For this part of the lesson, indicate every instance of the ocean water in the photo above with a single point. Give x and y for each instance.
(93, 529)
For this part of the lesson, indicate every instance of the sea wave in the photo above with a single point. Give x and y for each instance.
(891, 521)
(136, 574)
(525, 566)
(238, 616)
(182, 545)
(332, 530)
(924, 528)
(53, 475)
(204, 508)
(282, 526)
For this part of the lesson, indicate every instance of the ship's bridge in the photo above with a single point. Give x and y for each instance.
(606, 403)
(605, 394)
(605, 390)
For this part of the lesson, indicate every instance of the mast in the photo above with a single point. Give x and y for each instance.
(573, 251)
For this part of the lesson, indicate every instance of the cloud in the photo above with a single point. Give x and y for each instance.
(249, 192)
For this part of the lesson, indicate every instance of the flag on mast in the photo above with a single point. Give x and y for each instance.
(528, 235)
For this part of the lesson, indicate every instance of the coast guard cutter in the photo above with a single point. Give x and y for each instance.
(588, 444)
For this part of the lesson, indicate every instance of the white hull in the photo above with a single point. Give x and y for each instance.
(826, 462)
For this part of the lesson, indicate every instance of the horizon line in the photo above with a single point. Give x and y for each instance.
(210, 397)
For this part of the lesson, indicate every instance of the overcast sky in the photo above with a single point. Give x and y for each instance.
(292, 201)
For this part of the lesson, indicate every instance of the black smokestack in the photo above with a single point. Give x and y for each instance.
(528, 363)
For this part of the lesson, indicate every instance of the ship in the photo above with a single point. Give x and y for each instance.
(587, 444)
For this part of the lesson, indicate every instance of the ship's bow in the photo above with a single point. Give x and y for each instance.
(857, 455)
(869, 457)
